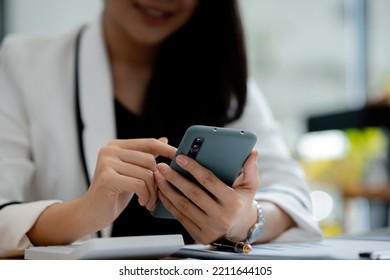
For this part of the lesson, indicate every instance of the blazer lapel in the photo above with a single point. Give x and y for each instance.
(96, 95)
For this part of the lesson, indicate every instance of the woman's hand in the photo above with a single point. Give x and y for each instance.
(229, 212)
(124, 168)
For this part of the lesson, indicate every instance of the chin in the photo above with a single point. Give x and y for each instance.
(151, 41)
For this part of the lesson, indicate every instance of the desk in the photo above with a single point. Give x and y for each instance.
(339, 247)
(327, 249)
(344, 247)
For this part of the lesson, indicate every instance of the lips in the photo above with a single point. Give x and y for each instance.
(154, 15)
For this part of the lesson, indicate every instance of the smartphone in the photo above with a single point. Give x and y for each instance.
(221, 150)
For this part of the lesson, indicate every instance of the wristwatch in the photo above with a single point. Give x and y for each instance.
(258, 228)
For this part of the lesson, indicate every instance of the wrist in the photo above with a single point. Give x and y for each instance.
(60, 223)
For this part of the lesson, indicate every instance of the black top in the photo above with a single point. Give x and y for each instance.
(136, 219)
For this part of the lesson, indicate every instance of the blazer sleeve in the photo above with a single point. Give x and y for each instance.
(281, 178)
(16, 165)
(15, 221)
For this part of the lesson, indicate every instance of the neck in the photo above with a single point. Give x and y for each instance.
(131, 65)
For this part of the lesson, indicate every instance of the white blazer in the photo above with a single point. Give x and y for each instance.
(40, 161)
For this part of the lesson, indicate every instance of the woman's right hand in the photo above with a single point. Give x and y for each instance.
(124, 168)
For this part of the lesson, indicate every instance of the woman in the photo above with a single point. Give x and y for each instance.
(64, 99)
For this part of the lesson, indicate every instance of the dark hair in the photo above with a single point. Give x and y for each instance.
(202, 67)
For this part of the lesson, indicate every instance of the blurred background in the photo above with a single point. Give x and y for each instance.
(324, 67)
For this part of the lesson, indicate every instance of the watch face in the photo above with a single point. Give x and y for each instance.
(257, 232)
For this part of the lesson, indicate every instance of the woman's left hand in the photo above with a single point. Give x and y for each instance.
(230, 213)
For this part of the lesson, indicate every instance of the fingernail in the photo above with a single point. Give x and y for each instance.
(182, 160)
(162, 168)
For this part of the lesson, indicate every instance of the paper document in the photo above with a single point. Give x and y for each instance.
(345, 249)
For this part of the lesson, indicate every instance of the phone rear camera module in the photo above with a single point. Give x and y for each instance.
(195, 147)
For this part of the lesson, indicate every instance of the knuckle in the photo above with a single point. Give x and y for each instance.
(169, 207)
(105, 162)
(183, 204)
(180, 217)
(149, 176)
(152, 142)
(106, 151)
(113, 142)
(149, 160)
(207, 178)
(194, 194)
(105, 176)
(138, 184)
(149, 179)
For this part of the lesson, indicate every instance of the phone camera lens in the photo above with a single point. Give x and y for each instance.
(199, 140)
(195, 148)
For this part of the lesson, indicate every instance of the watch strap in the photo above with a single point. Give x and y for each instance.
(257, 229)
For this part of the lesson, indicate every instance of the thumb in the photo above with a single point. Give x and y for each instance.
(249, 178)
(250, 164)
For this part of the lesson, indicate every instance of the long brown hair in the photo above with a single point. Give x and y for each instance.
(202, 67)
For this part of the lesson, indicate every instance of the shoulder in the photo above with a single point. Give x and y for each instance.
(254, 93)
(257, 104)
(20, 49)
(257, 112)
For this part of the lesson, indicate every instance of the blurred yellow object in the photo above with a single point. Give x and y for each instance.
(331, 229)
(365, 145)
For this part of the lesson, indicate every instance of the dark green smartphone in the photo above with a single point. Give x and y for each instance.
(221, 150)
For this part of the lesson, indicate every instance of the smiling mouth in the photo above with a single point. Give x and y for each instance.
(152, 12)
